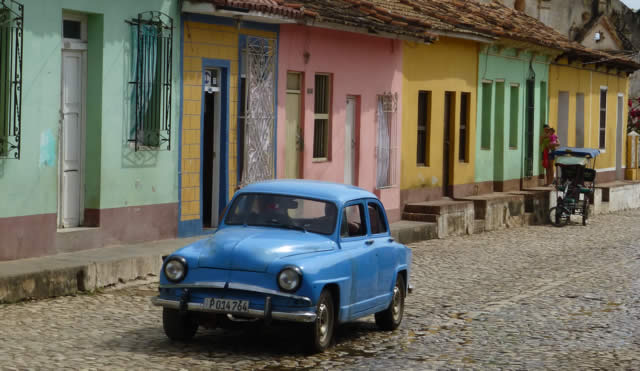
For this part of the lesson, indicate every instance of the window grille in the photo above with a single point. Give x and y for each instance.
(387, 150)
(11, 26)
(465, 107)
(259, 117)
(531, 108)
(151, 65)
(424, 107)
(321, 122)
(603, 118)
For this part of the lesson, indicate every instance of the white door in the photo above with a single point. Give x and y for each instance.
(71, 141)
(350, 142)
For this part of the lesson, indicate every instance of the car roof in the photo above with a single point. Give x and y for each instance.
(337, 193)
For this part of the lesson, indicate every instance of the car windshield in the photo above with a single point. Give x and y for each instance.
(279, 211)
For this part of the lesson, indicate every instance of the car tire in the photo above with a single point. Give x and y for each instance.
(321, 330)
(390, 318)
(178, 326)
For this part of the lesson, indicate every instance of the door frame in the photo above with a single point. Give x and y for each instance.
(299, 147)
(224, 66)
(217, 145)
(81, 46)
(355, 168)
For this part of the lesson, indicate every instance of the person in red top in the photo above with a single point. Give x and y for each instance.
(548, 142)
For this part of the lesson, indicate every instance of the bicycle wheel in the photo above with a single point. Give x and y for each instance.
(559, 216)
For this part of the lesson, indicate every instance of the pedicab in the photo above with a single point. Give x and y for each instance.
(574, 183)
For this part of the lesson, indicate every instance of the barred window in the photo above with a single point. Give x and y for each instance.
(424, 107)
(386, 148)
(152, 51)
(11, 23)
(321, 122)
(603, 118)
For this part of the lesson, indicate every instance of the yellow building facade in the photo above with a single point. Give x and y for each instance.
(439, 95)
(210, 43)
(588, 107)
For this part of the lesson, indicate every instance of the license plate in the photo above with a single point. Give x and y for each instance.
(227, 305)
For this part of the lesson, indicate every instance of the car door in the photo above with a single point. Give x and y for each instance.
(383, 246)
(355, 241)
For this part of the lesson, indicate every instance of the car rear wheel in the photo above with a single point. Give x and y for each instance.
(390, 318)
(321, 331)
(178, 326)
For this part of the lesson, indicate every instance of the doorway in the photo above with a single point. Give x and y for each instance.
(498, 140)
(73, 108)
(351, 141)
(563, 117)
(447, 155)
(211, 154)
(293, 110)
(619, 137)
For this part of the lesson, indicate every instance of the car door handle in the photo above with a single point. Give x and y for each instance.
(369, 242)
(391, 240)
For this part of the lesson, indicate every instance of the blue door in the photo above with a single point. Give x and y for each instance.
(355, 241)
(383, 246)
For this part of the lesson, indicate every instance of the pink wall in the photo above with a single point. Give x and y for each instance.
(361, 65)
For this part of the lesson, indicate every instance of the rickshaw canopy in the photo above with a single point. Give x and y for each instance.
(576, 152)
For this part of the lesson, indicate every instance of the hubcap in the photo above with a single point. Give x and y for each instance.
(323, 321)
(397, 303)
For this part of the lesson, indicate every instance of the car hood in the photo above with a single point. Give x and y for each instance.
(255, 248)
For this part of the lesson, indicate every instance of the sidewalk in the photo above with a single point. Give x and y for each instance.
(87, 270)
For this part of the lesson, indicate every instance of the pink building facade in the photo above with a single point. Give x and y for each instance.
(338, 114)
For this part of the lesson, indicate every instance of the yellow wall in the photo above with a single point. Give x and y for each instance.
(576, 79)
(447, 65)
(202, 40)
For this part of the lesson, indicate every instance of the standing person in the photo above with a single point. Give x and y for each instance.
(548, 142)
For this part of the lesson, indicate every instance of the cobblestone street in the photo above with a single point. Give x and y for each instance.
(526, 298)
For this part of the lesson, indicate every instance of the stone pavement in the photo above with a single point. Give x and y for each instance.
(536, 297)
(88, 270)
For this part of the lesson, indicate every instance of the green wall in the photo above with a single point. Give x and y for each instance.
(115, 175)
(496, 159)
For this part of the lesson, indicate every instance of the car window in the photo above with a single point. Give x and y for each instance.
(281, 211)
(376, 218)
(353, 222)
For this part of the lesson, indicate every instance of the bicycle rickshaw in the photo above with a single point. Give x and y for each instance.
(575, 182)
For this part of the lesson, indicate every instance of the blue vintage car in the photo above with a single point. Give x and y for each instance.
(290, 250)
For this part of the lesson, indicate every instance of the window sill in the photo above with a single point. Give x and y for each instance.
(387, 187)
(320, 159)
(422, 166)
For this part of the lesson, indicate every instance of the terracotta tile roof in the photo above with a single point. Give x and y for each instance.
(345, 13)
(494, 19)
(274, 7)
(424, 19)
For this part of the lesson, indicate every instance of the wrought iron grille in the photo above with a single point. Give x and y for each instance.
(386, 148)
(11, 23)
(152, 57)
(260, 110)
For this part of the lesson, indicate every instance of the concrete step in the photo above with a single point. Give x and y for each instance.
(406, 231)
(417, 217)
(439, 207)
(478, 226)
(498, 209)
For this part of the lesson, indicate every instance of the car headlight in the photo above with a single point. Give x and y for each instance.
(289, 279)
(175, 268)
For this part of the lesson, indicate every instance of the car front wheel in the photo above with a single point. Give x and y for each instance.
(321, 331)
(390, 318)
(177, 326)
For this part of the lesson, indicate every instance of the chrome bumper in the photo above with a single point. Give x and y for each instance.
(255, 313)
